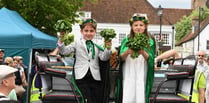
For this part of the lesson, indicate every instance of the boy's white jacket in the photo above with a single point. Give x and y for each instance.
(84, 59)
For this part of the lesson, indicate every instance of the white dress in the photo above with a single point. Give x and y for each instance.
(134, 79)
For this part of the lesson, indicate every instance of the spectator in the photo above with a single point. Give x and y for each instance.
(22, 68)
(1, 56)
(167, 57)
(207, 81)
(7, 81)
(9, 61)
(198, 93)
(20, 80)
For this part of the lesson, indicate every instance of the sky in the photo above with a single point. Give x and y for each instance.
(184, 4)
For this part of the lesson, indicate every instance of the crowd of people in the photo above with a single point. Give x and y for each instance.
(137, 74)
(20, 81)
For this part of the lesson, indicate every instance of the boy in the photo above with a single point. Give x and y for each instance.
(87, 55)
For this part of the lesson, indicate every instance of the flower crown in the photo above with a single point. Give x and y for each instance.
(89, 20)
(139, 17)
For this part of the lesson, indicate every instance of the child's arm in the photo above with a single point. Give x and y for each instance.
(105, 55)
(65, 50)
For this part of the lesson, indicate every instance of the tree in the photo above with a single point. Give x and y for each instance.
(43, 14)
(183, 27)
(185, 24)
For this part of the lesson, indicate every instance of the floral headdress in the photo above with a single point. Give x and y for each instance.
(88, 20)
(139, 17)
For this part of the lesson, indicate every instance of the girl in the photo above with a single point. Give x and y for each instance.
(138, 73)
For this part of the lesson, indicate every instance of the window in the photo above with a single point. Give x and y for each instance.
(121, 37)
(207, 44)
(164, 37)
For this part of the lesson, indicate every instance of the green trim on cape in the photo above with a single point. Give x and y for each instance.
(150, 61)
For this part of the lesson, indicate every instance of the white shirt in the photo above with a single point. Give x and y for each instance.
(205, 69)
(202, 67)
(3, 98)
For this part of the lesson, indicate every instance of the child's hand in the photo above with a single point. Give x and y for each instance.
(108, 44)
(129, 51)
(60, 35)
(141, 51)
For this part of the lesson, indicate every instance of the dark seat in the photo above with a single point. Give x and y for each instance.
(62, 90)
(57, 86)
(182, 75)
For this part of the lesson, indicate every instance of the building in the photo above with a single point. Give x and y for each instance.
(196, 40)
(116, 13)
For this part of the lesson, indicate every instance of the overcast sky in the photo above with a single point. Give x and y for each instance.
(185, 4)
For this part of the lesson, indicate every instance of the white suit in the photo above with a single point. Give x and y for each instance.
(84, 59)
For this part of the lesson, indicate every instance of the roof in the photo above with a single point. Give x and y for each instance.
(112, 11)
(190, 35)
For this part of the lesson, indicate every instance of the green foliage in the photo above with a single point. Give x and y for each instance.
(63, 25)
(185, 24)
(138, 42)
(67, 39)
(108, 35)
(183, 27)
(43, 14)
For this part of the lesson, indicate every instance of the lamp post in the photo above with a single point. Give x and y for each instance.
(172, 43)
(160, 43)
(199, 21)
(160, 14)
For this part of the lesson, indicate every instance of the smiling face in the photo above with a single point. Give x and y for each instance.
(88, 32)
(138, 27)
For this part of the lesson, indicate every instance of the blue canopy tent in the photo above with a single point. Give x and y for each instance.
(18, 37)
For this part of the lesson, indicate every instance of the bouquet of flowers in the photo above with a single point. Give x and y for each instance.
(108, 35)
(138, 42)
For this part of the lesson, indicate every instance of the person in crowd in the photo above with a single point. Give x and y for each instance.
(198, 93)
(22, 67)
(87, 55)
(166, 59)
(138, 73)
(18, 80)
(167, 54)
(206, 72)
(199, 84)
(1, 56)
(7, 81)
(9, 61)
